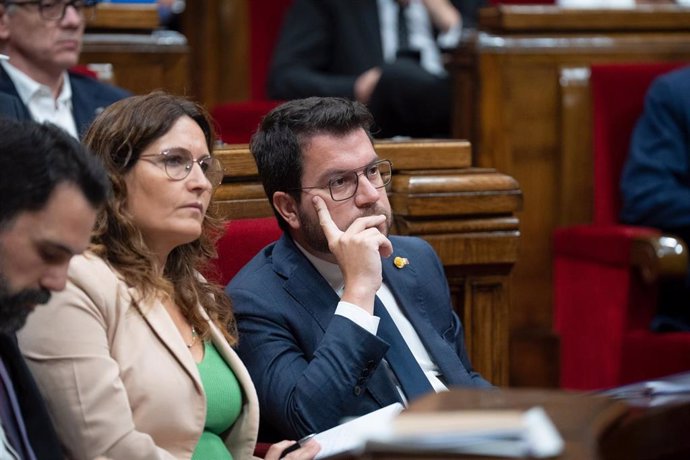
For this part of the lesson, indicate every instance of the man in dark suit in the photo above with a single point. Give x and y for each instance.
(655, 182)
(52, 189)
(356, 49)
(338, 318)
(43, 40)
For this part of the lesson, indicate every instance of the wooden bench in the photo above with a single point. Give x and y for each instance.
(467, 214)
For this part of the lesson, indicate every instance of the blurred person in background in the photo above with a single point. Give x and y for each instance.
(43, 40)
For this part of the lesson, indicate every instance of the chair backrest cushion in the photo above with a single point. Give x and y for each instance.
(618, 92)
(265, 21)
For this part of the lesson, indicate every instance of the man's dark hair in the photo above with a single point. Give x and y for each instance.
(287, 130)
(35, 158)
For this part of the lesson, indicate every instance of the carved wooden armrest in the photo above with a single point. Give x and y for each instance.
(659, 256)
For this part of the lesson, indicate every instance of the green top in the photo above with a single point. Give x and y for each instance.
(223, 404)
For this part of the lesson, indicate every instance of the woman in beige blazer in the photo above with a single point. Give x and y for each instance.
(134, 357)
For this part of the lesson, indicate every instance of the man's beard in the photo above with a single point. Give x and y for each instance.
(313, 233)
(15, 308)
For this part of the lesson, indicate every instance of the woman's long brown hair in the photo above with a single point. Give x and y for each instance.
(118, 136)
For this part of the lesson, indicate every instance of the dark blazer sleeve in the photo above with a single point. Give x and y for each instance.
(323, 46)
(655, 183)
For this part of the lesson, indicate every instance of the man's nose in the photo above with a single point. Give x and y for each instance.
(72, 16)
(55, 278)
(366, 191)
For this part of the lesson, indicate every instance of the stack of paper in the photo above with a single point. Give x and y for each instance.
(488, 432)
(503, 433)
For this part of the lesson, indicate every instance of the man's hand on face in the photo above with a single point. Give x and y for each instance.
(358, 251)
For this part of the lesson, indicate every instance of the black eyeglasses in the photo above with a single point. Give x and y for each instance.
(178, 163)
(54, 10)
(343, 186)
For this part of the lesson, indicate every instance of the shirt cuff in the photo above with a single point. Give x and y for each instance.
(368, 322)
(450, 38)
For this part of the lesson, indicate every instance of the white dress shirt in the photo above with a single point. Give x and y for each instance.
(420, 31)
(40, 101)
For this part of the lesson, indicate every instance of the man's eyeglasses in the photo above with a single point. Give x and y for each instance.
(178, 163)
(343, 186)
(54, 10)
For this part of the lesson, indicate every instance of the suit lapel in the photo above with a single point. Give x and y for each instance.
(303, 282)
(404, 284)
(163, 327)
(244, 431)
(84, 104)
(7, 87)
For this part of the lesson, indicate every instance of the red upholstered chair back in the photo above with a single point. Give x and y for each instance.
(618, 92)
(265, 22)
(242, 240)
(602, 309)
(237, 121)
(83, 69)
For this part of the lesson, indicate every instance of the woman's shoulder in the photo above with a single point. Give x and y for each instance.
(88, 267)
(92, 275)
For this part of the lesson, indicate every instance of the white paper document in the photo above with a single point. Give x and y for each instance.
(506, 433)
(351, 435)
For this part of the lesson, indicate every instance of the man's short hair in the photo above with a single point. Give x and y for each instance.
(287, 130)
(35, 158)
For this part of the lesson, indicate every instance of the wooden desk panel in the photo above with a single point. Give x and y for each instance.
(467, 214)
(141, 62)
(125, 16)
(528, 117)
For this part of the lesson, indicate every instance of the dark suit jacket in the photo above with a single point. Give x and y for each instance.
(311, 368)
(655, 183)
(39, 428)
(11, 107)
(89, 97)
(325, 44)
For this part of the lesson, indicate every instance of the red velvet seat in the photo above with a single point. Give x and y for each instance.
(237, 121)
(602, 303)
(243, 239)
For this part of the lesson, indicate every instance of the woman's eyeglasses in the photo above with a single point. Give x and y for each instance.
(178, 163)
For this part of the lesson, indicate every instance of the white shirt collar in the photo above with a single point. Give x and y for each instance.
(27, 87)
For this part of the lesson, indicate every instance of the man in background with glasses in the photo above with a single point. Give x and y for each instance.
(43, 40)
(338, 318)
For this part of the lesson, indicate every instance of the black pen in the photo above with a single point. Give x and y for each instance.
(297, 445)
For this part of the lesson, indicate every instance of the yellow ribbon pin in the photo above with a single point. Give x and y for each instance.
(400, 262)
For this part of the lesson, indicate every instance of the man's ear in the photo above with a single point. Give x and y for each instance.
(286, 206)
(4, 25)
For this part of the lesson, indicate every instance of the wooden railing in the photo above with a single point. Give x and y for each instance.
(467, 214)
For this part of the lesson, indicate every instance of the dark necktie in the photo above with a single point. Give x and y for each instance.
(403, 36)
(403, 363)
